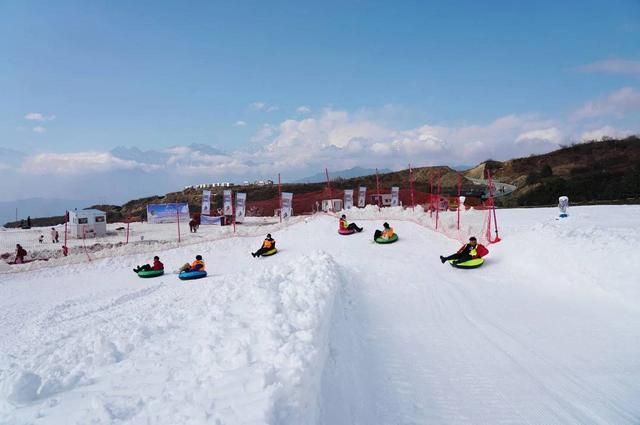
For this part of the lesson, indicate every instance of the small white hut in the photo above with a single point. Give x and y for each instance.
(87, 223)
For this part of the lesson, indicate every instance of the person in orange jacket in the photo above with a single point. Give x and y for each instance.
(157, 265)
(267, 245)
(468, 252)
(345, 225)
(386, 232)
(196, 266)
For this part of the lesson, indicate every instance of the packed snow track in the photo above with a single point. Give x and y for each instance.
(337, 330)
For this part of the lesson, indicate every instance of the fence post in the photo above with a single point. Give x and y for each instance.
(438, 203)
(378, 189)
(65, 249)
(233, 211)
(459, 206)
(178, 216)
(280, 197)
(128, 221)
(413, 204)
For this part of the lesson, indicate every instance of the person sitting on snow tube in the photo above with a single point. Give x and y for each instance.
(386, 233)
(346, 227)
(196, 266)
(157, 265)
(267, 245)
(468, 252)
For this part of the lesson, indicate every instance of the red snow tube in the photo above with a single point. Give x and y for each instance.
(346, 231)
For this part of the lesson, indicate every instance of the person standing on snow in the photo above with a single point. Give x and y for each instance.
(20, 254)
(468, 252)
(345, 225)
(53, 235)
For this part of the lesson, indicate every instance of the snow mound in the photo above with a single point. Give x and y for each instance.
(246, 348)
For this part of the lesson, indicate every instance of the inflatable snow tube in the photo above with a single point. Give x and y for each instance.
(346, 231)
(270, 252)
(392, 239)
(196, 274)
(150, 273)
(470, 264)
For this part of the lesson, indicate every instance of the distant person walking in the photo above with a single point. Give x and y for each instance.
(57, 237)
(29, 222)
(20, 254)
(53, 235)
(41, 238)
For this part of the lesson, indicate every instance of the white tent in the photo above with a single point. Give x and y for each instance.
(87, 223)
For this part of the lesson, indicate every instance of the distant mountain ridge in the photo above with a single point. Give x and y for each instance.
(343, 174)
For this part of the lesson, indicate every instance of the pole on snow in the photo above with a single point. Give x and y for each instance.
(459, 206)
(413, 204)
(280, 196)
(326, 170)
(431, 196)
(438, 202)
(233, 211)
(178, 216)
(378, 189)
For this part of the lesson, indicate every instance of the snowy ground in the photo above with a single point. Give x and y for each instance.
(335, 329)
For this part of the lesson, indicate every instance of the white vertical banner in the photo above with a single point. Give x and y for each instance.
(287, 202)
(348, 198)
(226, 203)
(395, 196)
(362, 196)
(241, 199)
(206, 202)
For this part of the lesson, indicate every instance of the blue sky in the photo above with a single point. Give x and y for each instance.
(291, 87)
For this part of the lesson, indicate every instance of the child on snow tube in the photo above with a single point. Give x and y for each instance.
(267, 245)
(196, 266)
(468, 252)
(386, 233)
(157, 265)
(346, 227)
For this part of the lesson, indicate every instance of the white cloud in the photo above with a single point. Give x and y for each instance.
(551, 134)
(39, 129)
(264, 107)
(303, 109)
(613, 66)
(37, 116)
(239, 123)
(78, 163)
(617, 103)
(606, 131)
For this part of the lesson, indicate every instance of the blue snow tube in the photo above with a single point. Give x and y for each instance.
(195, 274)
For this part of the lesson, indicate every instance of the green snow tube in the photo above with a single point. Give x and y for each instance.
(470, 264)
(392, 239)
(270, 252)
(150, 273)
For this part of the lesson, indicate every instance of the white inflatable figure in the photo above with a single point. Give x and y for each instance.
(461, 200)
(563, 205)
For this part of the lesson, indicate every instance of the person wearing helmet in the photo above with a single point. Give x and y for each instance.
(386, 232)
(267, 245)
(196, 266)
(468, 252)
(346, 226)
(157, 265)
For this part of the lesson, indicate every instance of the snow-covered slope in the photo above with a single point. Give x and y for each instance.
(337, 330)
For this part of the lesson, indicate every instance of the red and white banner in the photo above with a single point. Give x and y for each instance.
(227, 205)
(395, 196)
(287, 203)
(241, 200)
(348, 199)
(362, 196)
